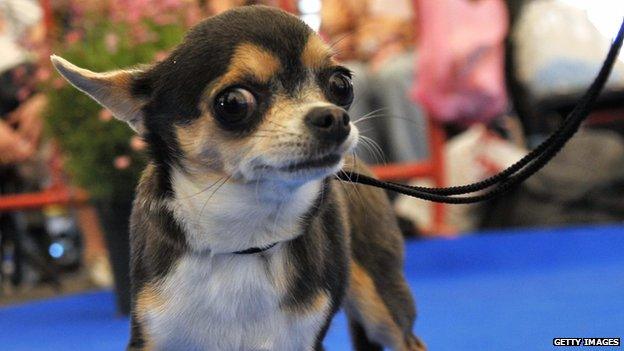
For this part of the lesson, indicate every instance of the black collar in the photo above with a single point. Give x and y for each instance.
(254, 250)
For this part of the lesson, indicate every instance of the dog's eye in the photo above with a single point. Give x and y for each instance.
(341, 89)
(234, 105)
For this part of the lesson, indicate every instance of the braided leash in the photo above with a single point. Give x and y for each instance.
(519, 171)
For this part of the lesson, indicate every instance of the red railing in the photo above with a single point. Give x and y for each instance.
(432, 168)
(57, 193)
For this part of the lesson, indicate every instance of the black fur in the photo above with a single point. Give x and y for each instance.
(319, 256)
(157, 242)
(378, 247)
(361, 342)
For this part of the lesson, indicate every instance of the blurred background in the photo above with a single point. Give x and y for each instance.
(448, 92)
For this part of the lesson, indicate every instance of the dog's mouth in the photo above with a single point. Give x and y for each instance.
(313, 163)
(304, 166)
(326, 161)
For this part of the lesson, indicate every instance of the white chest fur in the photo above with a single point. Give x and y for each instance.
(230, 303)
(230, 217)
(220, 301)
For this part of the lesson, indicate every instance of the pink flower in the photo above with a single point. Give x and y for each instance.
(161, 55)
(112, 42)
(193, 15)
(122, 162)
(58, 83)
(135, 11)
(43, 74)
(137, 143)
(172, 3)
(23, 93)
(19, 72)
(73, 37)
(142, 34)
(105, 115)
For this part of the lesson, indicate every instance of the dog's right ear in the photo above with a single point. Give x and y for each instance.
(112, 90)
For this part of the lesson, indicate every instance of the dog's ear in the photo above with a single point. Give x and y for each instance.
(112, 90)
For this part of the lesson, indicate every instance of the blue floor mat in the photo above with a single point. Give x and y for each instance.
(497, 291)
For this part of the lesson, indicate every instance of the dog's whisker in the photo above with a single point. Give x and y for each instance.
(333, 45)
(212, 194)
(374, 112)
(373, 144)
(368, 117)
(348, 185)
(277, 216)
(357, 174)
(361, 120)
(201, 191)
(358, 195)
(373, 148)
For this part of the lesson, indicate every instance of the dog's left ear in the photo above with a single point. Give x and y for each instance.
(112, 90)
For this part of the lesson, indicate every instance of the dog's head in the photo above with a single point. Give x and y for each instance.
(252, 93)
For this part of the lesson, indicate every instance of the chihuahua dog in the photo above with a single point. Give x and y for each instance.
(241, 238)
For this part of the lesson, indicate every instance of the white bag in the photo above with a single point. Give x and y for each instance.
(472, 156)
(559, 51)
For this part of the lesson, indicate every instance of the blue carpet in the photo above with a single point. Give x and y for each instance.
(497, 291)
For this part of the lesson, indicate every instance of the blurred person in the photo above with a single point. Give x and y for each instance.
(20, 107)
(375, 39)
(462, 63)
(21, 31)
(369, 30)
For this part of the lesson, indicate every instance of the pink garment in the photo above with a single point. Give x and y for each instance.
(460, 69)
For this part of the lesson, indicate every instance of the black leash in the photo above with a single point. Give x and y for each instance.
(519, 171)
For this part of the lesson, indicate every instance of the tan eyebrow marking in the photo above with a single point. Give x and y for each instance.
(316, 54)
(252, 60)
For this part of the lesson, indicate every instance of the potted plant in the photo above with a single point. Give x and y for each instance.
(103, 155)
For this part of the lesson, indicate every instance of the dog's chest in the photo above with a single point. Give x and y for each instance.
(230, 302)
(236, 217)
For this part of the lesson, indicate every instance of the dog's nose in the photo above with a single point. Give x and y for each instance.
(329, 124)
